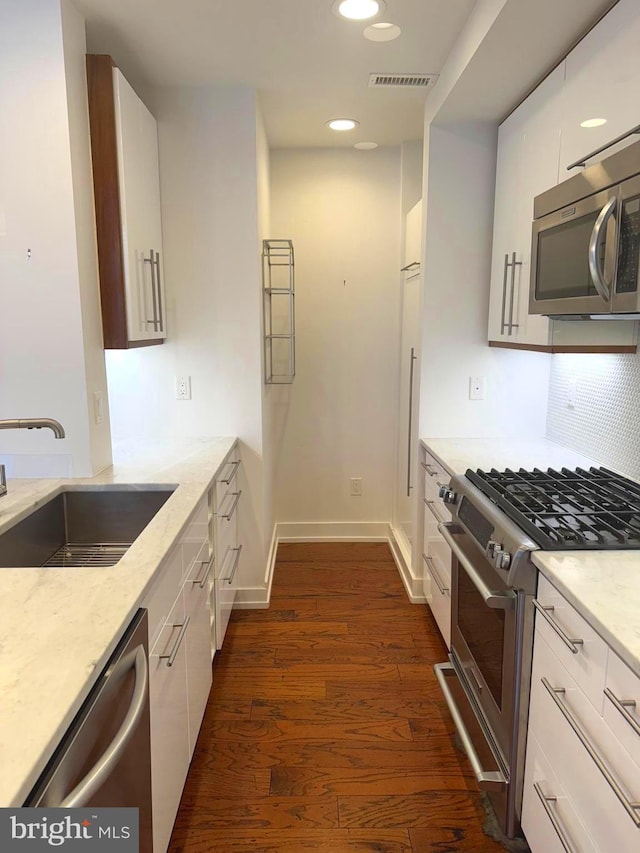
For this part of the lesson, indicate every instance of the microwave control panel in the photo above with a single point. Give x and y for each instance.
(629, 252)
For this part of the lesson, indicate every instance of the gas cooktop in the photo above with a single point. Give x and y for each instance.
(567, 510)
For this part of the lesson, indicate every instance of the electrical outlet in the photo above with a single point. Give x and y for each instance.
(356, 487)
(476, 387)
(572, 392)
(183, 387)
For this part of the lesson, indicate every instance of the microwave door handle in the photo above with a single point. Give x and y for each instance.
(597, 235)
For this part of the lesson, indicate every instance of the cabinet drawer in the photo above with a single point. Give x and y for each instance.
(586, 659)
(568, 727)
(435, 476)
(438, 596)
(548, 815)
(227, 483)
(164, 591)
(622, 705)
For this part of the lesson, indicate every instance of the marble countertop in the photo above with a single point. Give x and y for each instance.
(59, 626)
(458, 454)
(604, 586)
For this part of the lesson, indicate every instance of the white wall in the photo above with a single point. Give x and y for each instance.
(44, 354)
(342, 208)
(208, 140)
(460, 184)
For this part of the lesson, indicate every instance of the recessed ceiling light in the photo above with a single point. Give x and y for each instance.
(358, 10)
(365, 146)
(382, 32)
(593, 122)
(342, 123)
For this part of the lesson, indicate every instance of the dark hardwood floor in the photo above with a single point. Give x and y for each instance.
(325, 728)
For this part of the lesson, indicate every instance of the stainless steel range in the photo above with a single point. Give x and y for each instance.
(499, 518)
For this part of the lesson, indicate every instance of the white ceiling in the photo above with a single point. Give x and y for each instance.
(307, 64)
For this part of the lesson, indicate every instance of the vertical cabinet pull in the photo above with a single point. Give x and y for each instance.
(412, 359)
(509, 265)
(232, 509)
(156, 291)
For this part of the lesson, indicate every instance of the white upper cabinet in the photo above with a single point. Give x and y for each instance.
(126, 180)
(528, 151)
(138, 172)
(602, 82)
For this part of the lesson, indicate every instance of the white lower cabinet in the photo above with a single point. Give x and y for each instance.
(436, 554)
(225, 507)
(169, 724)
(179, 666)
(196, 595)
(576, 749)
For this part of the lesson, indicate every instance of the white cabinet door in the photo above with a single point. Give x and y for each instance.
(169, 723)
(196, 595)
(528, 152)
(602, 82)
(139, 184)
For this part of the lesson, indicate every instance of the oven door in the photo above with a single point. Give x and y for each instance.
(573, 257)
(484, 637)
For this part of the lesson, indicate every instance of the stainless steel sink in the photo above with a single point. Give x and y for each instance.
(81, 528)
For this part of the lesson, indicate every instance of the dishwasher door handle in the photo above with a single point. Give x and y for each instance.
(102, 769)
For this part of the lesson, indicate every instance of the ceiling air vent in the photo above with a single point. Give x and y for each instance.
(404, 81)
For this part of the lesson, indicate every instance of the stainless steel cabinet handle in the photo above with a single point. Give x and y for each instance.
(514, 264)
(488, 780)
(431, 471)
(234, 468)
(546, 800)
(238, 550)
(170, 658)
(621, 705)
(202, 577)
(414, 265)
(434, 574)
(433, 507)
(101, 770)
(413, 358)
(569, 642)
(154, 295)
(595, 267)
(629, 806)
(495, 600)
(229, 515)
(159, 288)
(503, 321)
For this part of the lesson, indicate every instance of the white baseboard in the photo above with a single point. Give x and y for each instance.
(258, 597)
(249, 598)
(333, 531)
(402, 556)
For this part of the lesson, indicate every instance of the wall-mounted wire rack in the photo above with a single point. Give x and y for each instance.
(279, 312)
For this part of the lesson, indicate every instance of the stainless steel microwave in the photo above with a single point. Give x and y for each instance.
(585, 252)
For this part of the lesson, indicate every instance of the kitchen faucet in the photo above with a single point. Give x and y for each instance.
(27, 423)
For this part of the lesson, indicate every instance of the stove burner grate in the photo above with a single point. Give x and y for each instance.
(567, 509)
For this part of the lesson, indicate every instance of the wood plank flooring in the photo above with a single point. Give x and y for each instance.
(326, 731)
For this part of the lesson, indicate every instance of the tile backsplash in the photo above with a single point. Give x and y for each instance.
(594, 408)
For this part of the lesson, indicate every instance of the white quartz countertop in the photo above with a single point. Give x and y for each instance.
(59, 626)
(604, 586)
(458, 454)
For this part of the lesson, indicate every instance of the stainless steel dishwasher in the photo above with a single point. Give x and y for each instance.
(104, 758)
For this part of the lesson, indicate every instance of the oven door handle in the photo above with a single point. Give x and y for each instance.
(495, 600)
(488, 780)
